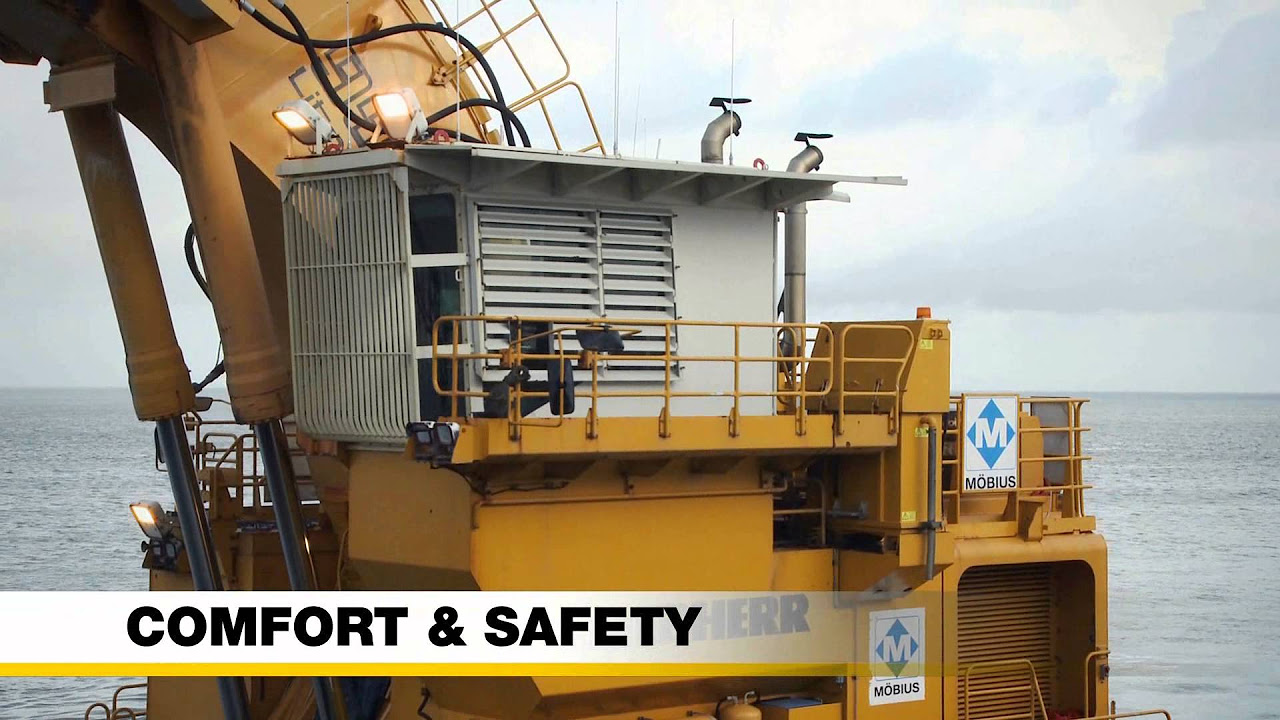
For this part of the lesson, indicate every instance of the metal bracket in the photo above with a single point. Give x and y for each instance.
(78, 86)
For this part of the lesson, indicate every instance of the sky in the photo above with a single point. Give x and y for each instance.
(1094, 197)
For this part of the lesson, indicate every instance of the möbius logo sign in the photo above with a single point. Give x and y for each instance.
(897, 656)
(990, 443)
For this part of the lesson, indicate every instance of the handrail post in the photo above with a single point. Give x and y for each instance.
(1078, 451)
(453, 364)
(664, 429)
(515, 399)
(838, 378)
(593, 413)
(737, 383)
(559, 360)
(797, 340)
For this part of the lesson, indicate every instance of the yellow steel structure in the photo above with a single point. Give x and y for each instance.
(853, 484)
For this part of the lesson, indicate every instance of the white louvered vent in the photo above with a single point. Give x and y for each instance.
(350, 307)
(579, 263)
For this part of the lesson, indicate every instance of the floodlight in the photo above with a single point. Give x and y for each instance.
(401, 114)
(305, 124)
(151, 518)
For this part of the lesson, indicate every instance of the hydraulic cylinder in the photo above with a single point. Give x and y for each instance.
(158, 375)
(257, 369)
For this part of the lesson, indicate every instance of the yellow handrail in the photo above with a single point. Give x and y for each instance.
(240, 454)
(1039, 697)
(115, 711)
(1035, 695)
(1131, 714)
(538, 91)
(1088, 677)
(1026, 491)
(896, 392)
(1071, 491)
(515, 355)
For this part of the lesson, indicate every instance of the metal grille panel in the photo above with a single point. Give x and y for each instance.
(580, 264)
(350, 307)
(1005, 612)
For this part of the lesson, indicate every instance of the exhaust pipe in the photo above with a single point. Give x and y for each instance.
(795, 243)
(719, 130)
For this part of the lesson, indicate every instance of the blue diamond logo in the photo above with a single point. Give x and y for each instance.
(897, 647)
(990, 433)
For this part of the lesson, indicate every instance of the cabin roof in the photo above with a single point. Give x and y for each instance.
(489, 168)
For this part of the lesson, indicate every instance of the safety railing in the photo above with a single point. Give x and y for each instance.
(1061, 472)
(225, 445)
(792, 365)
(878, 391)
(1035, 699)
(116, 711)
(1089, 677)
(1132, 714)
(488, 28)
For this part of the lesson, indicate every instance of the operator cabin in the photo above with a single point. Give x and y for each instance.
(382, 243)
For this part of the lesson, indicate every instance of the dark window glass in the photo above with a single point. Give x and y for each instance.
(433, 224)
(433, 229)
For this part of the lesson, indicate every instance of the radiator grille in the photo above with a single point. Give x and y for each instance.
(350, 307)
(579, 263)
(1005, 612)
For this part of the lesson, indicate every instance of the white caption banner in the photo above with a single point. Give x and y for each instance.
(150, 628)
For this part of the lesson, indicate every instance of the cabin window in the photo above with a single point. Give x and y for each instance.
(437, 288)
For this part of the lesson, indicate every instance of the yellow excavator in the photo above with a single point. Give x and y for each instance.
(457, 361)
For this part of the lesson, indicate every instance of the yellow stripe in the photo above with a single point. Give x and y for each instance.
(455, 669)
(421, 669)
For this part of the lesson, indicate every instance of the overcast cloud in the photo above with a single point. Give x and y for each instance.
(1093, 196)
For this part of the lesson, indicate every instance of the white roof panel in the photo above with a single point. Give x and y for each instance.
(496, 169)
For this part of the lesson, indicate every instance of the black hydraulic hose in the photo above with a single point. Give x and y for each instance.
(301, 38)
(508, 119)
(448, 110)
(189, 249)
(317, 67)
(214, 374)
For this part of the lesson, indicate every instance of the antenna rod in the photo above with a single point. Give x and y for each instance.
(617, 72)
(457, 78)
(635, 123)
(349, 60)
(732, 51)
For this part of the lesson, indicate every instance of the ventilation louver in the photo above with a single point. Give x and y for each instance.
(579, 264)
(1005, 612)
